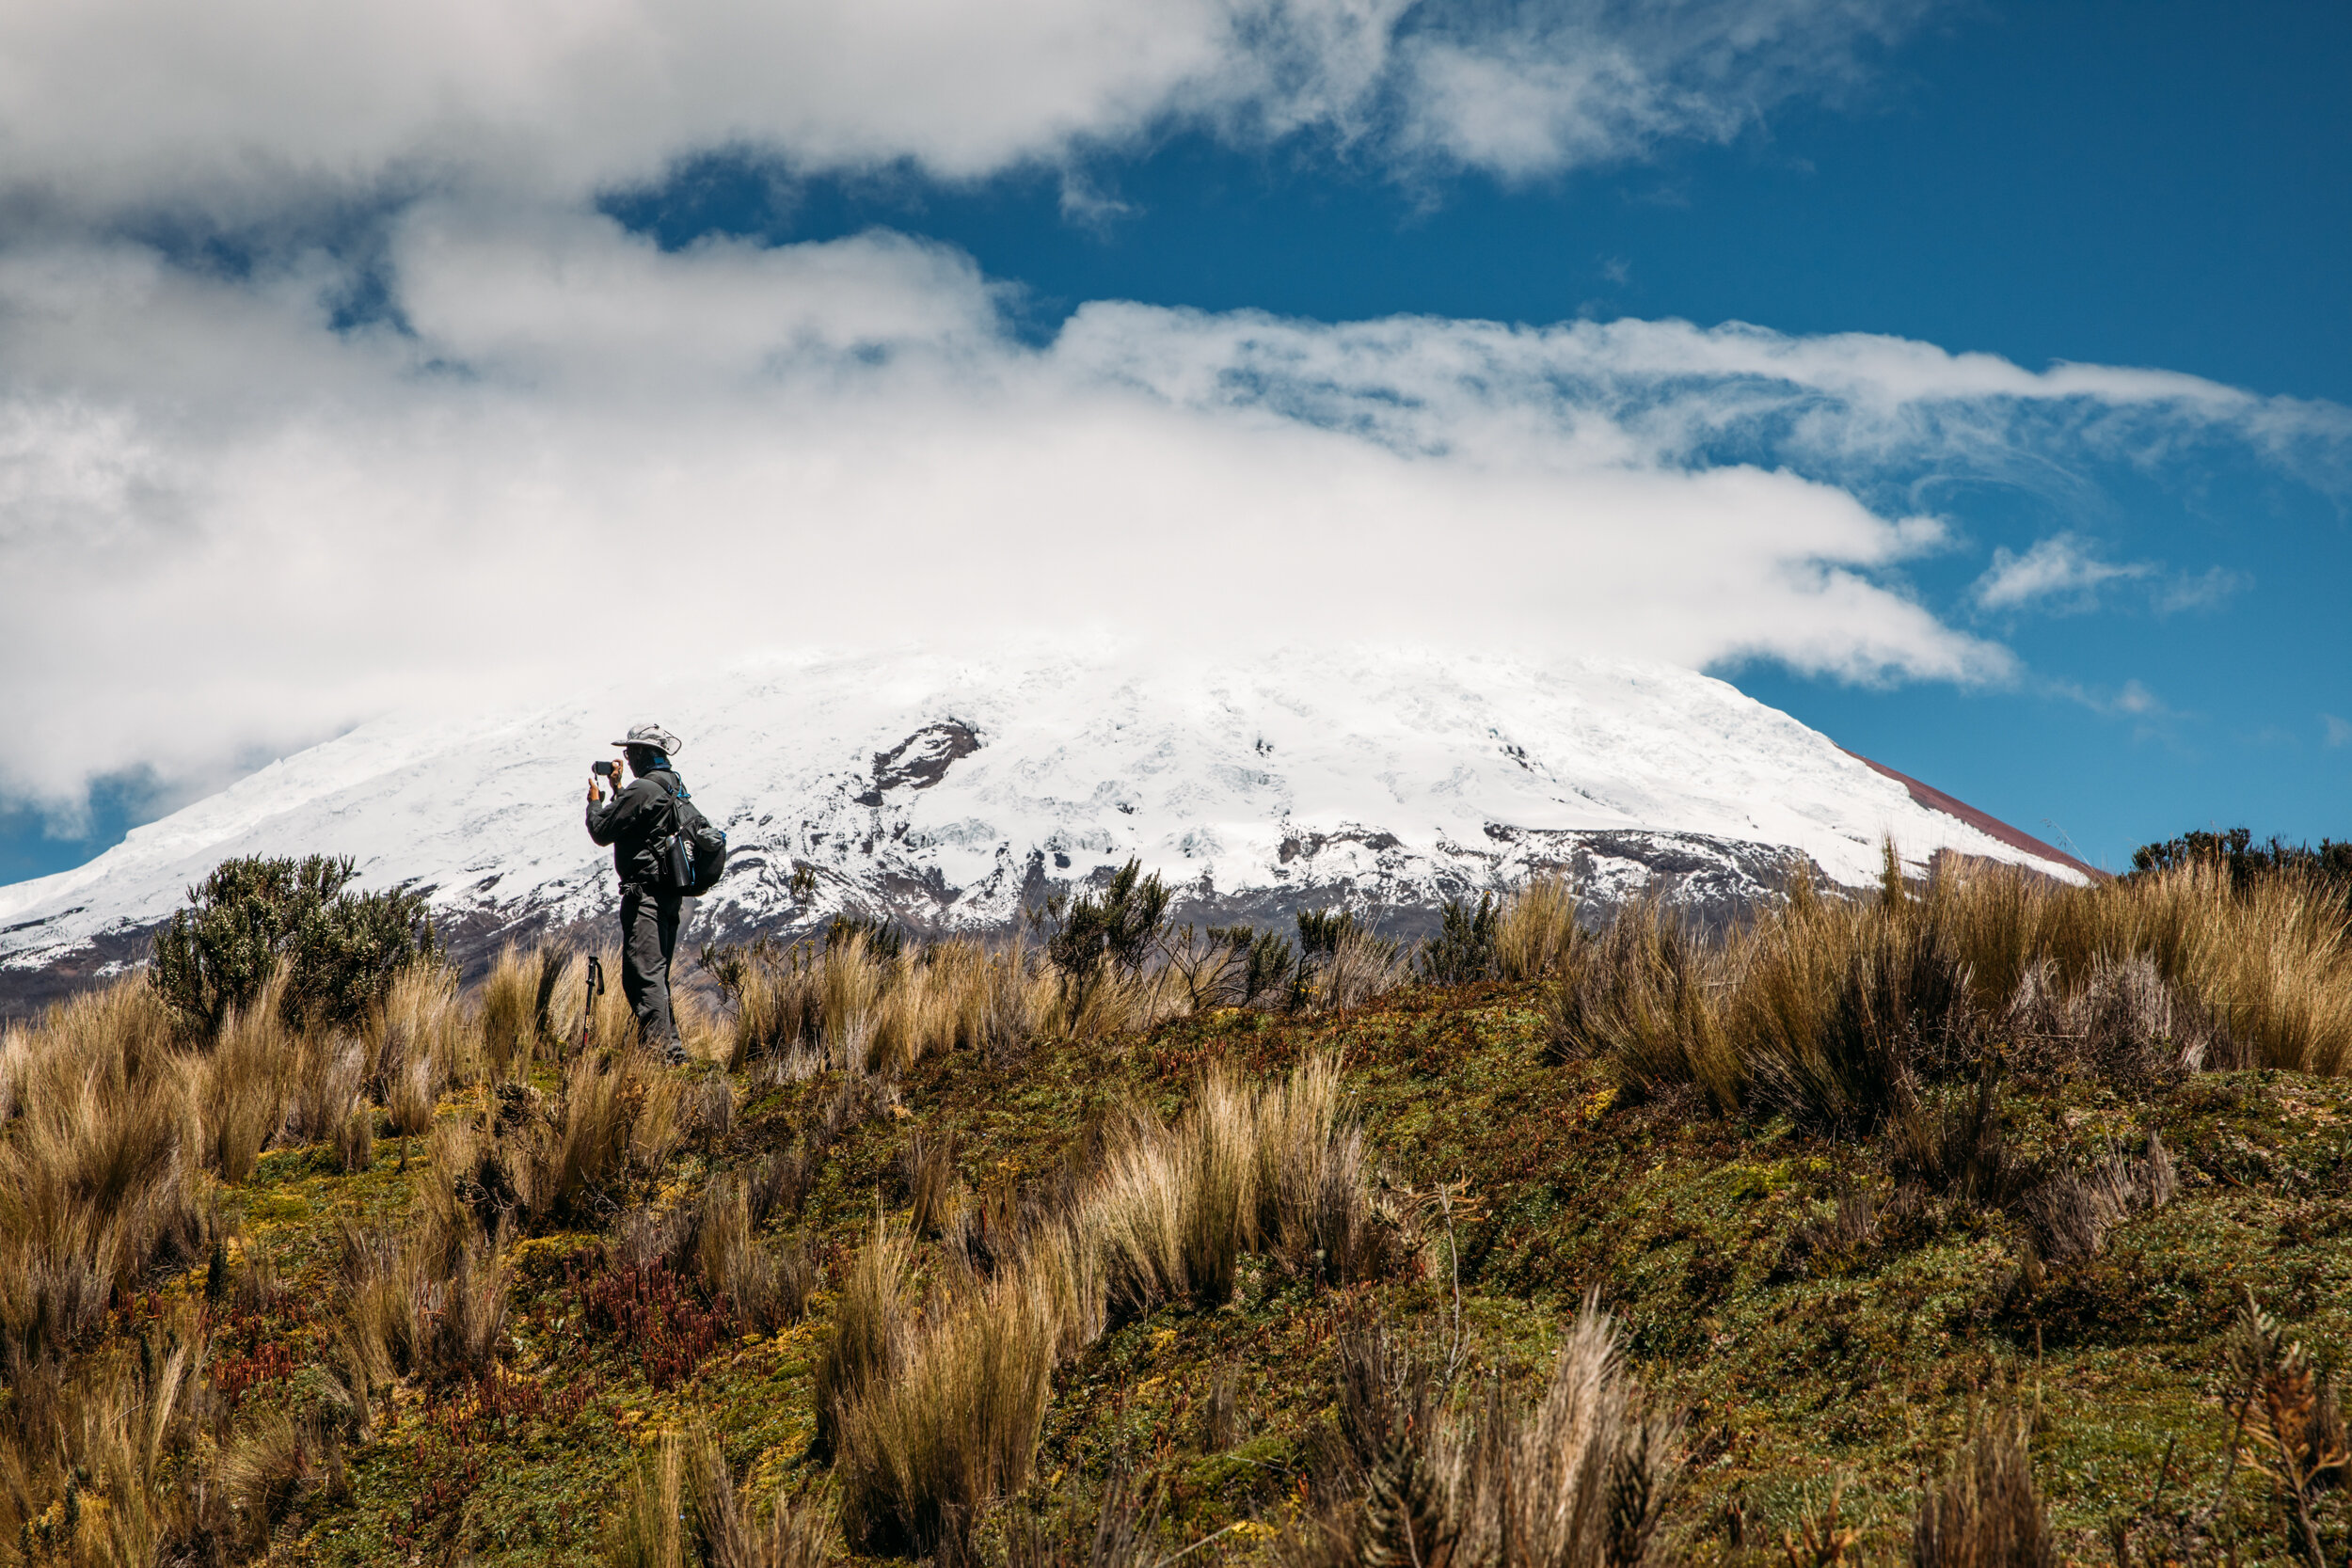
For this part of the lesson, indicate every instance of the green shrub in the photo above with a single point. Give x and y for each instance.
(1121, 924)
(2247, 862)
(883, 939)
(1262, 961)
(340, 949)
(1464, 947)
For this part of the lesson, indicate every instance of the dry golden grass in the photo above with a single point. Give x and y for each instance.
(869, 1323)
(242, 1083)
(1644, 995)
(114, 1430)
(1581, 1480)
(426, 1302)
(686, 1509)
(326, 1079)
(1985, 1511)
(953, 1426)
(575, 1156)
(759, 1289)
(421, 1042)
(851, 1008)
(929, 1423)
(519, 1006)
(1537, 933)
(1835, 1009)
(1362, 969)
(100, 1168)
(131, 1458)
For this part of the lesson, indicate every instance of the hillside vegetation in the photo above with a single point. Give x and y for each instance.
(1979, 1221)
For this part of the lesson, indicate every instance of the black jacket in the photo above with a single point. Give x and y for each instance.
(631, 822)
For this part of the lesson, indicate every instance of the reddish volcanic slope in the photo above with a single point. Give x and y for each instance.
(1935, 800)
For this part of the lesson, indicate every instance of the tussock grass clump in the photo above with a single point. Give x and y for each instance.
(760, 1290)
(928, 1165)
(100, 1168)
(1986, 1511)
(420, 1041)
(540, 1160)
(1836, 1011)
(1580, 1481)
(116, 1430)
(430, 1303)
(2067, 1214)
(1537, 935)
(864, 1007)
(243, 1083)
(931, 1421)
(954, 1425)
(870, 1326)
(1362, 969)
(1836, 1006)
(133, 1458)
(518, 1007)
(1175, 1208)
(1644, 996)
(685, 1509)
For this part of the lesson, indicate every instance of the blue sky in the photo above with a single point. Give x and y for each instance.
(2151, 185)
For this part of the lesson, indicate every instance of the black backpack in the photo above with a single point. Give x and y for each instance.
(692, 855)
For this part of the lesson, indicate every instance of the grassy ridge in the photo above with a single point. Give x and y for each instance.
(567, 1306)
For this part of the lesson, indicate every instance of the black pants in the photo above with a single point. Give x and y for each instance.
(649, 923)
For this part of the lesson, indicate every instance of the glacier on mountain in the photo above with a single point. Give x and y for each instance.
(951, 791)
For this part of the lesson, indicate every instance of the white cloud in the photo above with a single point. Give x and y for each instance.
(2184, 590)
(230, 107)
(226, 526)
(2063, 574)
(2060, 570)
(2335, 731)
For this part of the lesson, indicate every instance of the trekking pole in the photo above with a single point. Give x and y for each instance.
(595, 988)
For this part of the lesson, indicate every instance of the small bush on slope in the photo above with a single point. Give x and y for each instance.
(340, 950)
(1464, 948)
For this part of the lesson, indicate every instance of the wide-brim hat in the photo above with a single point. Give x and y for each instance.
(650, 735)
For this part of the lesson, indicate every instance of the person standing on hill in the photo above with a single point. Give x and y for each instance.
(638, 813)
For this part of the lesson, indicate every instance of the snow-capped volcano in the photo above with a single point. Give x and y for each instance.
(949, 791)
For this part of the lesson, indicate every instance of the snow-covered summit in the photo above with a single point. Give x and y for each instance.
(947, 790)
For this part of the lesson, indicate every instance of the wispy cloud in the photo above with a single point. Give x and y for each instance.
(2186, 590)
(2063, 574)
(2057, 572)
(2335, 731)
(2133, 700)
